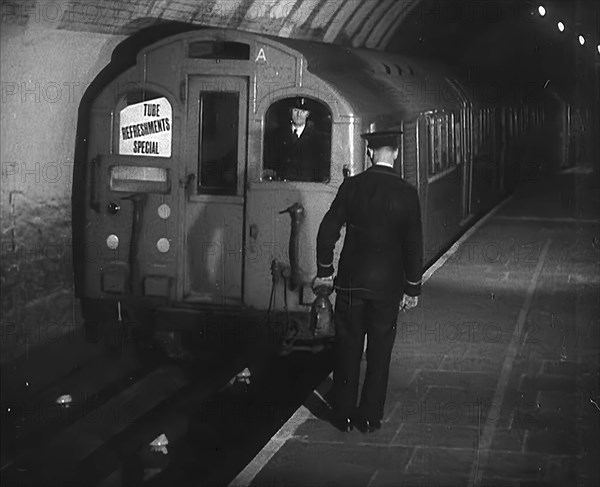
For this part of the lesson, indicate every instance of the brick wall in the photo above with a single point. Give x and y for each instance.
(44, 75)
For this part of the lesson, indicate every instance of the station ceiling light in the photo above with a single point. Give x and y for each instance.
(561, 26)
(581, 40)
(541, 10)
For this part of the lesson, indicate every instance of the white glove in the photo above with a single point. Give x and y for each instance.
(409, 302)
(323, 281)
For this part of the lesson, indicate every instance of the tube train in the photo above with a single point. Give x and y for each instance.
(178, 215)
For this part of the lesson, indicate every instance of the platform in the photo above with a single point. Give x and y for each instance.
(494, 376)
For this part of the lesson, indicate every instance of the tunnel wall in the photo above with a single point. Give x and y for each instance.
(45, 73)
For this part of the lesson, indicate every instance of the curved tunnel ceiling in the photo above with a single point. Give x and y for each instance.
(501, 38)
(359, 23)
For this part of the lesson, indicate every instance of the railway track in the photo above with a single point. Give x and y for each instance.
(213, 423)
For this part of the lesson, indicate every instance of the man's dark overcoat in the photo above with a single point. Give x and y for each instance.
(383, 247)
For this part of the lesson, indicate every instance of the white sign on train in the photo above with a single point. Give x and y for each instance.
(145, 129)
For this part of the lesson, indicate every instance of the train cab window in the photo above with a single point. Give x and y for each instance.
(218, 142)
(301, 155)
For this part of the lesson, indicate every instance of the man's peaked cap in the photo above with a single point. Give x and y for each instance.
(383, 134)
(386, 138)
(300, 102)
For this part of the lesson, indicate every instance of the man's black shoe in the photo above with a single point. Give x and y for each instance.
(343, 424)
(367, 425)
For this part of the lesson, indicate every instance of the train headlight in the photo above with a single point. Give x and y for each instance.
(163, 245)
(164, 211)
(112, 242)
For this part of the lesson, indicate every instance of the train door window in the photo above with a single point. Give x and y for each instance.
(218, 142)
(301, 156)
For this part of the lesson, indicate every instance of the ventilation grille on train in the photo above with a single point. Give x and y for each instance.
(396, 70)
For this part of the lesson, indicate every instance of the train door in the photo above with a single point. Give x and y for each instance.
(213, 199)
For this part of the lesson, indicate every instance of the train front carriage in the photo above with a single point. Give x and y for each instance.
(181, 211)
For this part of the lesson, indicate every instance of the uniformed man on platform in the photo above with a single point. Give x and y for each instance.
(379, 273)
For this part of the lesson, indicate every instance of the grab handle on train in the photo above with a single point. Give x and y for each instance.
(95, 184)
(296, 212)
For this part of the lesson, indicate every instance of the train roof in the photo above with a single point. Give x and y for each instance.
(377, 85)
(381, 84)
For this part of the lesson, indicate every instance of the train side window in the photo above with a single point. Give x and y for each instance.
(218, 142)
(423, 139)
(483, 126)
(451, 139)
(476, 134)
(426, 128)
(436, 165)
(287, 157)
(439, 146)
(442, 122)
(458, 157)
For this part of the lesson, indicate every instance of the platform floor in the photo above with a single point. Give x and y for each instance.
(494, 378)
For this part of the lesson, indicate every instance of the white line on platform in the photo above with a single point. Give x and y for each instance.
(487, 437)
(452, 250)
(246, 476)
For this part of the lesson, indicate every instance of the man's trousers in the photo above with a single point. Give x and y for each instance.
(355, 317)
